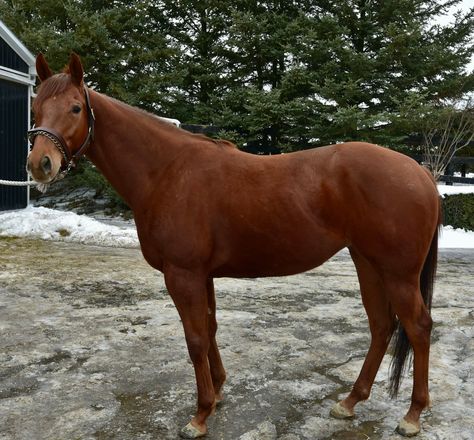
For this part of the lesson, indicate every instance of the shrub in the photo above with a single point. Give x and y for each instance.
(87, 176)
(458, 211)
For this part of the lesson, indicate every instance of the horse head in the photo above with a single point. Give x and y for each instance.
(64, 121)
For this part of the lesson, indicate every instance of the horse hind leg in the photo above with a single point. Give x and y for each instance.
(382, 324)
(415, 331)
(411, 300)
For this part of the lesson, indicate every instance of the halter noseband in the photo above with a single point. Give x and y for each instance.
(70, 160)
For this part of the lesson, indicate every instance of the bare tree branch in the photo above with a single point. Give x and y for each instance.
(450, 132)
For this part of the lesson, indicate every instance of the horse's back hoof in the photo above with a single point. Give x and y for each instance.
(408, 429)
(341, 412)
(190, 431)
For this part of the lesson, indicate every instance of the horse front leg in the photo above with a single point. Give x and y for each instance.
(215, 362)
(189, 293)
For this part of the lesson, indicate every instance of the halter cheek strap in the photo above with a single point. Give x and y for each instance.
(69, 160)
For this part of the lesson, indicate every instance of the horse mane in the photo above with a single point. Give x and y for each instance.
(171, 127)
(219, 142)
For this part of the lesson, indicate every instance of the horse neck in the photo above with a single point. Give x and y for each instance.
(129, 148)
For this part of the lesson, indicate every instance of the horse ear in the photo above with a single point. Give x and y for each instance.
(42, 68)
(75, 69)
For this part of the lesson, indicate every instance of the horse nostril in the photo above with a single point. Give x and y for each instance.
(46, 164)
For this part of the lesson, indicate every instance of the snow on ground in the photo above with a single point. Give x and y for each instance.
(446, 190)
(456, 238)
(50, 224)
(450, 237)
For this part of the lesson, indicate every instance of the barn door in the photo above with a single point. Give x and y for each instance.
(13, 142)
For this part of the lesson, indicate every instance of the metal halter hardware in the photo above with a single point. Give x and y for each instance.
(58, 141)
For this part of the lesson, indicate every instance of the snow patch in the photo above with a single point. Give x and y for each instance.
(456, 238)
(50, 224)
(447, 190)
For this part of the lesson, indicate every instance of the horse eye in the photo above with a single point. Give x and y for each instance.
(76, 109)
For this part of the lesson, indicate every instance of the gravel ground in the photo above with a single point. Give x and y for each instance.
(91, 347)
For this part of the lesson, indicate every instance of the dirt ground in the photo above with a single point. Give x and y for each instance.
(91, 347)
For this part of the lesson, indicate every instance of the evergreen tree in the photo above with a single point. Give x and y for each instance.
(120, 45)
(196, 31)
(345, 70)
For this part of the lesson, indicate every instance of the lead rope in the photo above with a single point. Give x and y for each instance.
(17, 183)
(41, 187)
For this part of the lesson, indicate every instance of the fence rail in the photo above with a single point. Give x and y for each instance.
(456, 179)
(449, 177)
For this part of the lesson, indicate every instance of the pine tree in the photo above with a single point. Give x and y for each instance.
(197, 67)
(121, 47)
(347, 70)
(264, 102)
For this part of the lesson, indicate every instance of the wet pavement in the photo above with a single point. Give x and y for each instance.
(91, 347)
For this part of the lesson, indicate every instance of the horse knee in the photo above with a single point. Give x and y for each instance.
(197, 347)
(383, 332)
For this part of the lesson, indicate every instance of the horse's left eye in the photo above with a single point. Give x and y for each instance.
(76, 109)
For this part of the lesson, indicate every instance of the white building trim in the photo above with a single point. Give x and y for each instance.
(7, 35)
(15, 76)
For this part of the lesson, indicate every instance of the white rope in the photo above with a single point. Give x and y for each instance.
(17, 183)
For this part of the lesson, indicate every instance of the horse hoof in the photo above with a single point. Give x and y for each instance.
(341, 412)
(190, 431)
(408, 429)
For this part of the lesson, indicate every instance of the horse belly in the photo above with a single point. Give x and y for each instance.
(289, 255)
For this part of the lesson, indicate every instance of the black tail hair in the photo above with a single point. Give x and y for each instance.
(401, 345)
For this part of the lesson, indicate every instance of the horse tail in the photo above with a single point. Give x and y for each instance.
(401, 345)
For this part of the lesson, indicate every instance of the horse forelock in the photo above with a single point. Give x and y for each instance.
(53, 86)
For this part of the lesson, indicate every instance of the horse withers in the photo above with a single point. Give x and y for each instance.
(204, 209)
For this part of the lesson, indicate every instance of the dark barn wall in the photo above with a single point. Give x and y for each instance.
(13, 142)
(9, 58)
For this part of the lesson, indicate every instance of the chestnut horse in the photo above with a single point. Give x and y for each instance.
(204, 209)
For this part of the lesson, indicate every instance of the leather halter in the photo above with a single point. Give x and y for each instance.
(70, 160)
